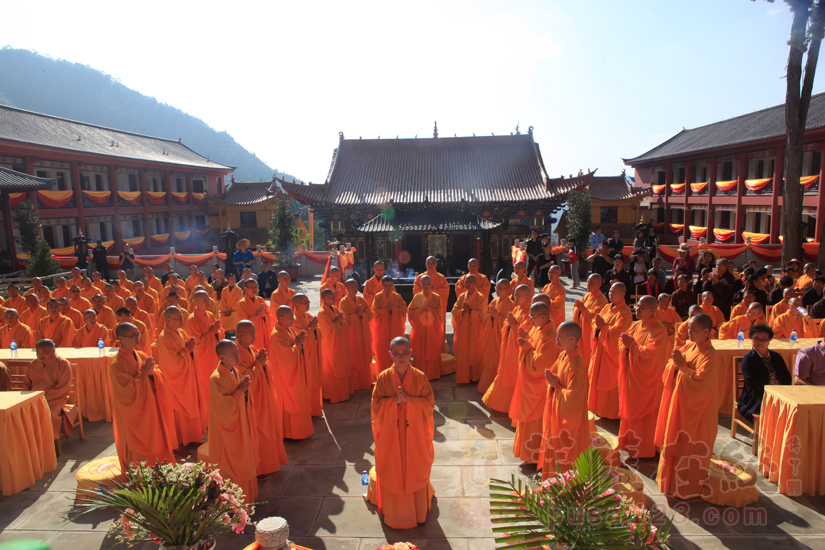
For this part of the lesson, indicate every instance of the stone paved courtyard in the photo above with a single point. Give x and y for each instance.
(319, 491)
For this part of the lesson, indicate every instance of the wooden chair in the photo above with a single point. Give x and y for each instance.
(736, 419)
(18, 382)
(73, 405)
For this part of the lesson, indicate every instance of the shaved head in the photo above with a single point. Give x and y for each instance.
(541, 298)
(570, 328)
(540, 308)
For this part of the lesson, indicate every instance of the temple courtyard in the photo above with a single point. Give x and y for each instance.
(320, 494)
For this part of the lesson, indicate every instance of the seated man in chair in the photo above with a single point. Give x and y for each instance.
(52, 375)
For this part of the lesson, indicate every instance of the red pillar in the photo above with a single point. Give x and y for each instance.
(688, 180)
(28, 168)
(820, 196)
(668, 181)
(776, 193)
(710, 188)
(144, 202)
(740, 185)
(116, 223)
(8, 225)
(167, 185)
(78, 196)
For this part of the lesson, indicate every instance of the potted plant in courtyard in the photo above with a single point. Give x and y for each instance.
(284, 235)
(178, 506)
(576, 509)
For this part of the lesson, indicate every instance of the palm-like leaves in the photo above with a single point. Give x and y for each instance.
(577, 509)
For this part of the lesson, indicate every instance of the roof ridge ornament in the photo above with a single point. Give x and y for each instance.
(435, 129)
(518, 132)
(530, 130)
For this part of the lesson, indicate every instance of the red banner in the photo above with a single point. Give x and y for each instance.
(808, 181)
(16, 198)
(757, 185)
(156, 197)
(135, 242)
(182, 235)
(180, 197)
(317, 257)
(698, 187)
(152, 261)
(726, 185)
(200, 198)
(676, 228)
(202, 232)
(677, 188)
(132, 197)
(724, 234)
(768, 254)
(194, 259)
(98, 197)
(55, 199)
(163, 238)
(698, 232)
(756, 238)
(658, 189)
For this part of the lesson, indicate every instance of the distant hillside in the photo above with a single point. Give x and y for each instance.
(71, 90)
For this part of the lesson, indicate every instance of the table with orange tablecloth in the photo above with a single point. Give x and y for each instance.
(792, 439)
(728, 352)
(26, 440)
(92, 376)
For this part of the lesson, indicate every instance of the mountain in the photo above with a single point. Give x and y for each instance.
(78, 92)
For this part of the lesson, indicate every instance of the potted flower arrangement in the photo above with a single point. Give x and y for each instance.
(576, 509)
(178, 506)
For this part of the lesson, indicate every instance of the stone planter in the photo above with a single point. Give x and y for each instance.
(272, 533)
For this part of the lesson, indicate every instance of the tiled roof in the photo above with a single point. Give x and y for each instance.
(435, 170)
(602, 188)
(428, 221)
(245, 194)
(764, 124)
(18, 181)
(50, 131)
(256, 236)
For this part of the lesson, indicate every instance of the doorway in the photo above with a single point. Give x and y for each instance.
(414, 246)
(461, 250)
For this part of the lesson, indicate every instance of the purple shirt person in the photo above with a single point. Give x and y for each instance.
(684, 261)
(809, 368)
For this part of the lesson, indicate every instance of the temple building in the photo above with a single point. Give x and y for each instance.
(245, 208)
(723, 182)
(401, 200)
(112, 185)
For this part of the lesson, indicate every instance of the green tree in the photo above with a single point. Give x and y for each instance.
(41, 262)
(283, 233)
(578, 215)
(28, 226)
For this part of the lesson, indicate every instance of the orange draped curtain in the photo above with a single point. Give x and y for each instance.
(16, 198)
(152, 261)
(132, 197)
(697, 232)
(201, 232)
(194, 259)
(163, 238)
(658, 189)
(726, 185)
(182, 235)
(135, 242)
(677, 188)
(723, 234)
(200, 198)
(808, 181)
(676, 227)
(658, 225)
(55, 199)
(756, 238)
(180, 197)
(156, 197)
(66, 251)
(698, 187)
(98, 197)
(757, 185)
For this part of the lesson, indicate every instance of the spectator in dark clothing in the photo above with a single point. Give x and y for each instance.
(127, 260)
(817, 311)
(545, 260)
(267, 280)
(672, 284)
(615, 244)
(814, 294)
(100, 260)
(602, 261)
(723, 285)
(760, 295)
(652, 243)
(684, 260)
(5, 261)
(760, 367)
(651, 287)
(699, 285)
(219, 283)
(778, 292)
(618, 275)
(683, 298)
(661, 276)
(167, 272)
(534, 250)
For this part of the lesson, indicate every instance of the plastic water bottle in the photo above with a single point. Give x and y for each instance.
(100, 346)
(365, 482)
(13, 349)
(740, 340)
(793, 339)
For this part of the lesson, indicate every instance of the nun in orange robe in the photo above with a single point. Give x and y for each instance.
(500, 393)
(289, 374)
(281, 296)
(520, 277)
(233, 437)
(426, 314)
(144, 429)
(91, 332)
(333, 281)
(207, 332)
(389, 320)
(228, 305)
(181, 388)
(13, 329)
(306, 322)
(493, 329)
(264, 403)
(538, 352)
(586, 309)
(373, 284)
(483, 284)
(614, 319)
(336, 379)
(441, 287)
(785, 323)
(469, 315)
(643, 352)
(403, 428)
(565, 428)
(55, 327)
(33, 312)
(253, 308)
(712, 311)
(555, 290)
(688, 415)
(358, 314)
(753, 315)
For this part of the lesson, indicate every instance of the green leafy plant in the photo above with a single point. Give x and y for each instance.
(579, 215)
(284, 233)
(185, 504)
(577, 509)
(28, 226)
(42, 263)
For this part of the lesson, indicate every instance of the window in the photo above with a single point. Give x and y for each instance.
(610, 214)
(67, 237)
(677, 215)
(48, 234)
(662, 177)
(42, 174)
(760, 169)
(816, 164)
(133, 185)
(61, 181)
(104, 234)
(494, 247)
(137, 228)
(724, 219)
(249, 219)
(539, 220)
(681, 175)
(200, 222)
(727, 171)
(98, 182)
(336, 225)
(84, 182)
(183, 224)
(179, 185)
(154, 184)
(197, 186)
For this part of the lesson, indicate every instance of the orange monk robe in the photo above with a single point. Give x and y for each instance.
(715, 315)
(182, 305)
(360, 341)
(778, 309)
(144, 429)
(147, 303)
(593, 304)
(386, 325)
(468, 336)
(107, 318)
(60, 331)
(126, 284)
(640, 386)
(565, 428)
(123, 293)
(730, 330)
(155, 284)
(88, 293)
(75, 317)
(312, 359)
(85, 338)
(784, 324)
(681, 336)
(18, 303)
(74, 281)
(373, 287)
(339, 288)
(115, 302)
(20, 333)
(54, 378)
(31, 318)
(442, 288)
(197, 326)
(688, 421)
(804, 282)
(482, 285)
(603, 397)
(403, 447)
(99, 285)
(233, 437)
(190, 283)
(180, 389)
(230, 300)
(493, 329)
(426, 314)
(671, 321)
(265, 406)
(149, 321)
(500, 393)
(61, 293)
(248, 311)
(335, 355)
(282, 296)
(291, 381)
(524, 280)
(558, 295)
(530, 397)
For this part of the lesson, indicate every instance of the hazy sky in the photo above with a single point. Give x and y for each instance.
(599, 80)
